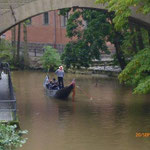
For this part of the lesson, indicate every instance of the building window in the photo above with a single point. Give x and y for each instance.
(46, 18)
(64, 20)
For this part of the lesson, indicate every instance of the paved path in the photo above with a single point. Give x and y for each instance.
(5, 113)
(4, 90)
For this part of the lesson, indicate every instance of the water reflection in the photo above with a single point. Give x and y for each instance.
(103, 116)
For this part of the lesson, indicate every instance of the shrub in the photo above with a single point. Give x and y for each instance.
(5, 51)
(10, 137)
(51, 59)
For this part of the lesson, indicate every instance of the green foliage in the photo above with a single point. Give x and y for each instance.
(127, 44)
(76, 54)
(137, 72)
(122, 9)
(143, 87)
(145, 37)
(88, 30)
(50, 59)
(74, 25)
(64, 11)
(10, 137)
(5, 51)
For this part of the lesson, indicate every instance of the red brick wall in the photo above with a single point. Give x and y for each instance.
(40, 33)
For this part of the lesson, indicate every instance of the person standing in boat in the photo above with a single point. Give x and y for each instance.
(60, 74)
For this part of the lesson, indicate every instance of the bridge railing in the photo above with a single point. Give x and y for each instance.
(10, 104)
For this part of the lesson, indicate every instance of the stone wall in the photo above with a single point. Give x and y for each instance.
(37, 49)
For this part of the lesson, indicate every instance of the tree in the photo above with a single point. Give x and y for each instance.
(18, 43)
(135, 45)
(76, 55)
(25, 52)
(99, 29)
(13, 35)
(122, 9)
(50, 59)
(117, 38)
(137, 72)
(5, 51)
(92, 38)
(88, 30)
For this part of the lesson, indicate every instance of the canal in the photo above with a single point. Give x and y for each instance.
(104, 115)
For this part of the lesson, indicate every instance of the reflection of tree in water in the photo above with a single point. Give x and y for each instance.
(132, 110)
(120, 108)
(139, 112)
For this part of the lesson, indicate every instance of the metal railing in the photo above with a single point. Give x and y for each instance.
(9, 104)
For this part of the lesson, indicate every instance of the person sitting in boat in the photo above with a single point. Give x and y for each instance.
(60, 74)
(54, 84)
(47, 81)
(50, 86)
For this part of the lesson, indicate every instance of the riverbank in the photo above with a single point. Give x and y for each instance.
(99, 70)
(103, 67)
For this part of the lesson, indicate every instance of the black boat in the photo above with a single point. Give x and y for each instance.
(60, 93)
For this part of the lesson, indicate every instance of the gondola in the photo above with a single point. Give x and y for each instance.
(60, 93)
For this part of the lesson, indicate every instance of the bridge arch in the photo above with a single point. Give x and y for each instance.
(34, 7)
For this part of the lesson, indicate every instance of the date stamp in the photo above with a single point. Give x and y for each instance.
(142, 134)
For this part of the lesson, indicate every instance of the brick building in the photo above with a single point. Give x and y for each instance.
(48, 28)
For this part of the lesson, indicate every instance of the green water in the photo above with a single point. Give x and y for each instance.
(104, 115)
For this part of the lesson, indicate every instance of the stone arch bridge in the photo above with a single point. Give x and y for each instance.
(13, 12)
